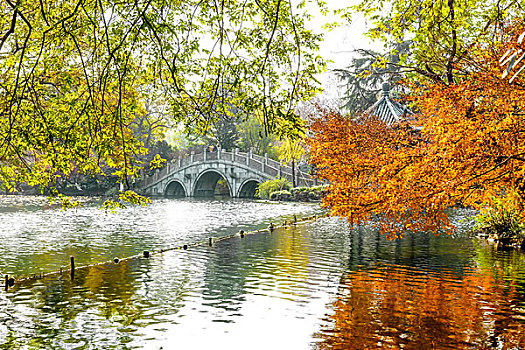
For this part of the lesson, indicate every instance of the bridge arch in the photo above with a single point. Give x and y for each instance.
(238, 173)
(248, 188)
(206, 183)
(175, 188)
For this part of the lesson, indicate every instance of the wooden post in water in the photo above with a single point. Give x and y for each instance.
(211, 241)
(6, 282)
(72, 268)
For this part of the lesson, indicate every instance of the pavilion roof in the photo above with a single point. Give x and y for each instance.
(389, 110)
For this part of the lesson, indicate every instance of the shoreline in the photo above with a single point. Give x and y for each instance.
(514, 242)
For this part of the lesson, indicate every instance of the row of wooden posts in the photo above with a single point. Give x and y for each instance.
(10, 281)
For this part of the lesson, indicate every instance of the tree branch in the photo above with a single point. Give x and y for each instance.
(10, 31)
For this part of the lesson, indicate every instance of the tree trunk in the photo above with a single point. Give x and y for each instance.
(293, 173)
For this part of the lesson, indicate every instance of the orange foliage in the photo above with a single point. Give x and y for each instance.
(467, 146)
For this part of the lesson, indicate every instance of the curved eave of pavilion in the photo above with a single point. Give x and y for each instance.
(388, 110)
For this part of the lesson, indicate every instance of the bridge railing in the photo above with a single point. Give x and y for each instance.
(254, 161)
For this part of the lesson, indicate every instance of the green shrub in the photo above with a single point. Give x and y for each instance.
(308, 193)
(266, 188)
(300, 189)
(501, 217)
(281, 195)
(320, 188)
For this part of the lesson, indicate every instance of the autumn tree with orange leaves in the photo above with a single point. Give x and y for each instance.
(466, 147)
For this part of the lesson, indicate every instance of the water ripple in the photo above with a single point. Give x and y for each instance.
(321, 285)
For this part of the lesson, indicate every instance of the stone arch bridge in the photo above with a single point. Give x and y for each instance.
(198, 175)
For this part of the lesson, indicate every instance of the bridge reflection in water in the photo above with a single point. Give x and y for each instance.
(207, 174)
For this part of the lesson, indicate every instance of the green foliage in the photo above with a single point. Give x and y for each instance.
(112, 205)
(314, 193)
(75, 76)
(183, 142)
(223, 133)
(442, 32)
(266, 188)
(157, 162)
(316, 189)
(501, 216)
(65, 201)
(280, 195)
(291, 150)
(222, 188)
(252, 136)
(164, 150)
(300, 194)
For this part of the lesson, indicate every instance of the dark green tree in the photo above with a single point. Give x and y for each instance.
(363, 78)
(223, 133)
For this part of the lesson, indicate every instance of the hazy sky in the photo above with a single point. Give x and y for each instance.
(340, 43)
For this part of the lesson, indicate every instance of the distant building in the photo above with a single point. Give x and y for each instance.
(388, 110)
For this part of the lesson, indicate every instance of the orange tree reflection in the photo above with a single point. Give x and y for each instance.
(395, 307)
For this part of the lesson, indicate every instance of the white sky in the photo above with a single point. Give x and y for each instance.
(340, 43)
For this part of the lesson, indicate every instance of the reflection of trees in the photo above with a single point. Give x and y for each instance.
(113, 288)
(62, 304)
(368, 246)
(226, 273)
(429, 298)
(392, 306)
(508, 264)
(257, 261)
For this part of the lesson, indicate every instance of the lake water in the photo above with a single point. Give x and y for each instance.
(315, 285)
